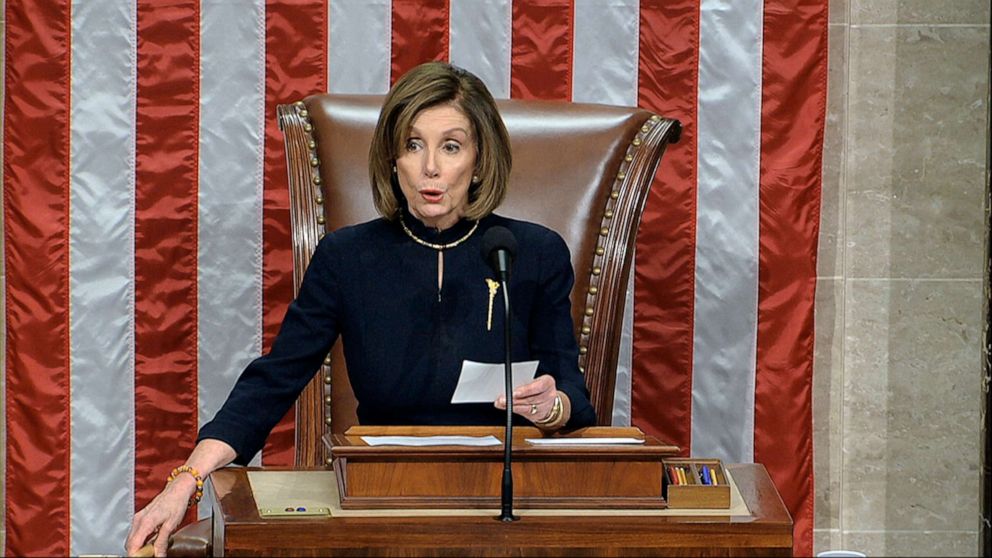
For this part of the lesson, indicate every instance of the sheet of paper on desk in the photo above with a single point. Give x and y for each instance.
(583, 441)
(481, 382)
(431, 440)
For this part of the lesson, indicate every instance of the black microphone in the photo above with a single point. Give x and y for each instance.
(498, 248)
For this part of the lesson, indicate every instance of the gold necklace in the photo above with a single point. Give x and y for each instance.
(439, 247)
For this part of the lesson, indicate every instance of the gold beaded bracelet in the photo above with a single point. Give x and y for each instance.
(196, 475)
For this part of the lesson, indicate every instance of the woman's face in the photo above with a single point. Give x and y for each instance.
(435, 165)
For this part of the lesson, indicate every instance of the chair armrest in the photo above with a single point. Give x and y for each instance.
(193, 540)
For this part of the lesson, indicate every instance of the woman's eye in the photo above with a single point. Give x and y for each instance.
(452, 147)
(412, 145)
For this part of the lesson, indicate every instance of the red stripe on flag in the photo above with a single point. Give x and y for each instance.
(794, 84)
(661, 385)
(295, 66)
(420, 34)
(541, 50)
(36, 249)
(165, 239)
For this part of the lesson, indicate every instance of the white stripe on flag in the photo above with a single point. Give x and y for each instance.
(359, 46)
(726, 295)
(101, 276)
(480, 37)
(604, 55)
(229, 259)
(604, 70)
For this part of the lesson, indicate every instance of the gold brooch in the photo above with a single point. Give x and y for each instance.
(493, 287)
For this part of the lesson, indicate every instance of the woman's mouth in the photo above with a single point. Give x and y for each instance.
(432, 195)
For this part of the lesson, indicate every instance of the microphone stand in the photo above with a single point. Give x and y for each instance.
(506, 507)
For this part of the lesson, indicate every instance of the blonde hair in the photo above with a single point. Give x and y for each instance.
(426, 86)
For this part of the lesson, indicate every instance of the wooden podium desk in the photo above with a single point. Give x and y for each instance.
(239, 530)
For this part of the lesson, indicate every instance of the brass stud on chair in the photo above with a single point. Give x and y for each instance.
(589, 311)
(329, 461)
(636, 142)
(582, 370)
(583, 350)
(608, 214)
(327, 399)
(586, 330)
(327, 379)
(318, 199)
(320, 219)
(307, 127)
(655, 118)
(621, 175)
(593, 289)
(628, 158)
(312, 144)
(604, 231)
(600, 250)
(304, 114)
(327, 421)
(327, 360)
(316, 179)
(314, 162)
(645, 128)
(597, 270)
(615, 194)
(299, 103)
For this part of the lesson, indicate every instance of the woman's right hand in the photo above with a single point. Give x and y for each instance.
(161, 516)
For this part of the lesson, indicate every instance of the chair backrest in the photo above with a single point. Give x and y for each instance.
(582, 170)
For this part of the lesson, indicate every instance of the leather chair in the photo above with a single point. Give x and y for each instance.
(583, 170)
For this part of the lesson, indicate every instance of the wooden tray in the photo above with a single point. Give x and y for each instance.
(694, 494)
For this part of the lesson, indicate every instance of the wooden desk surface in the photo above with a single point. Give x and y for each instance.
(238, 530)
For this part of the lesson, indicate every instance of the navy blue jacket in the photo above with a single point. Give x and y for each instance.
(404, 339)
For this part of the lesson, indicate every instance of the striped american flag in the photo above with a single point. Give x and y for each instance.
(146, 223)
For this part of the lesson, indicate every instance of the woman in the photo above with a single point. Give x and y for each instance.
(409, 294)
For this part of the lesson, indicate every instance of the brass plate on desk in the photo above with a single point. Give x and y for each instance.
(290, 512)
(292, 494)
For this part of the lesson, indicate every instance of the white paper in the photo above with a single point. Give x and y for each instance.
(481, 382)
(583, 441)
(431, 440)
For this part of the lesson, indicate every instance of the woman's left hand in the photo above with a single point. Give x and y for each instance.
(532, 401)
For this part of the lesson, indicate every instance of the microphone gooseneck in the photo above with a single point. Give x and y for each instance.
(499, 246)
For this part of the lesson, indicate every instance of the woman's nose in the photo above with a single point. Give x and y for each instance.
(430, 164)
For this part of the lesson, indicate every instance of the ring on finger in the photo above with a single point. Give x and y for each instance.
(533, 409)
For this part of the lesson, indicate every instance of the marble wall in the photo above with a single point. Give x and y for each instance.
(897, 377)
